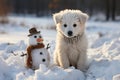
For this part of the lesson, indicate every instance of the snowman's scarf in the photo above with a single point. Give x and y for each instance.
(29, 50)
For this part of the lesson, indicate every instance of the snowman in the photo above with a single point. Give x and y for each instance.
(36, 52)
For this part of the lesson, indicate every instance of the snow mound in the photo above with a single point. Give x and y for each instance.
(19, 46)
(3, 69)
(58, 73)
(3, 46)
(13, 49)
(103, 70)
(106, 61)
(108, 37)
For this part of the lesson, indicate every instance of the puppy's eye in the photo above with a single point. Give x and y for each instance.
(35, 36)
(74, 25)
(65, 25)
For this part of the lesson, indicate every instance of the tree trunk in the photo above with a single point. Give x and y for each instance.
(113, 9)
(107, 10)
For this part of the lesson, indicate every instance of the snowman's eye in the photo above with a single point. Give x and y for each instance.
(35, 36)
(41, 53)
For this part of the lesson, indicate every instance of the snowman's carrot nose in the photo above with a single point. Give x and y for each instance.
(39, 39)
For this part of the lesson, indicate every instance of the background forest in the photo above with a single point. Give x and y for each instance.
(109, 8)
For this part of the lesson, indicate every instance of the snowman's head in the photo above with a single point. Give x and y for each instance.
(35, 39)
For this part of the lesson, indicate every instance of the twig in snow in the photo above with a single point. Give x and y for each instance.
(14, 53)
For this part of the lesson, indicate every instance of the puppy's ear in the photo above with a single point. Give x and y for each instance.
(57, 18)
(83, 17)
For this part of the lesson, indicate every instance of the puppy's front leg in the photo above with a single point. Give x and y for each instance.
(82, 61)
(63, 60)
(56, 59)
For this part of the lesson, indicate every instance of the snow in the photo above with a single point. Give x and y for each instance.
(58, 74)
(103, 52)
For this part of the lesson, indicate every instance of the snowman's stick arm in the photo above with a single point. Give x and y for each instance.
(48, 46)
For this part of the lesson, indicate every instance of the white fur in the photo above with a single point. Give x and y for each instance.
(67, 54)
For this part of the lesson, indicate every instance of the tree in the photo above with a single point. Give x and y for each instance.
(4, 10)
(113, 9)
(107, 10)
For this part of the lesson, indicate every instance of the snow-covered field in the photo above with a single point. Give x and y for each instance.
(103, 51)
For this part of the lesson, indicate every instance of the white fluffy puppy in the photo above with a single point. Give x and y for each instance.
(71, 42)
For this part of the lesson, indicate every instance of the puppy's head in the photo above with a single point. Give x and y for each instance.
(70, 22)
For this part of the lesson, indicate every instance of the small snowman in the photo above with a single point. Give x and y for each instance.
(36, 52)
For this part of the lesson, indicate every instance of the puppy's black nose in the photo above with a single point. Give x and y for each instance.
(70, 33)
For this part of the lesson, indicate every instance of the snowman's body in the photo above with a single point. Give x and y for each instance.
(38, 55)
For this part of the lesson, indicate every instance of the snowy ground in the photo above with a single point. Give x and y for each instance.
(103, 51)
